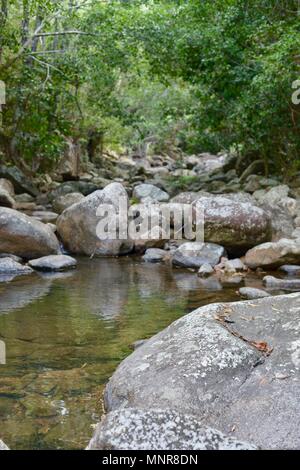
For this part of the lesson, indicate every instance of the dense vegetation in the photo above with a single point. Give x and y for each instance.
(181, 75)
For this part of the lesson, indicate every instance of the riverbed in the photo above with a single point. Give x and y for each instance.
(66, 333)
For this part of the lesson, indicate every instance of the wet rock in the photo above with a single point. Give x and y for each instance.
(25, 236)
(251, 293)
(232, 224)
(138, 343)
(149, 193)
(77, 225)
(155, 255)
(290, 269)
(282, 284)
(231, 280)
(234, 265)
(3, 446)
(53, 263)
(9, 266)
(15, 258)
(63, 202)
(197, 366)
(205, 270)
(274, 254)
(134, 429)
(20, 181)
(195, 254)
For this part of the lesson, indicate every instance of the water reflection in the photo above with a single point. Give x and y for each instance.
(66, 333)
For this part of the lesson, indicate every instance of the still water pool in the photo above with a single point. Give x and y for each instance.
(66, 333)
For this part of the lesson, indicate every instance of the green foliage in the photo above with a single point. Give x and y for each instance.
(180, 74)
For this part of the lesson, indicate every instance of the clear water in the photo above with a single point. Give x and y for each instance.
(66, 333)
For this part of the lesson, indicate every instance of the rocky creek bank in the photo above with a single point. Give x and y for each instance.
(232, 367)
(216, 359)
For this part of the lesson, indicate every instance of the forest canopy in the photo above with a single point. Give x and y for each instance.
(181, 75)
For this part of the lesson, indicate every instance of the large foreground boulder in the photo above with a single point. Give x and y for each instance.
(134, 429)
(25, 236)
(273, 255)
(77, 225)
(233, 224)
(234, 366)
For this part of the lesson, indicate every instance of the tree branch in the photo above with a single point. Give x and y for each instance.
(61, 33)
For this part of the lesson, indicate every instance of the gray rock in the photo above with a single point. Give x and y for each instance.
(234, 265)
(134, 429)
(3, 446)
(63, 202)
(45, 216)
(274, 254)
(15, 258)
(233, 224)
(188, 197)
(149, 233)
(24, 198)
(154, 255)
(77, 225)
(205, 270)
(25, 236)
(282, 284)
(291, 269)
(7, 186)
(224, 373)
(296, 233)
(10, 266)
(251, 293)
(195, 254)
(6, 193)
(53, 263)
(84, 187)
(280, 208)
(6, 200)
(138, 343)
(150, 193)
(20, 181)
